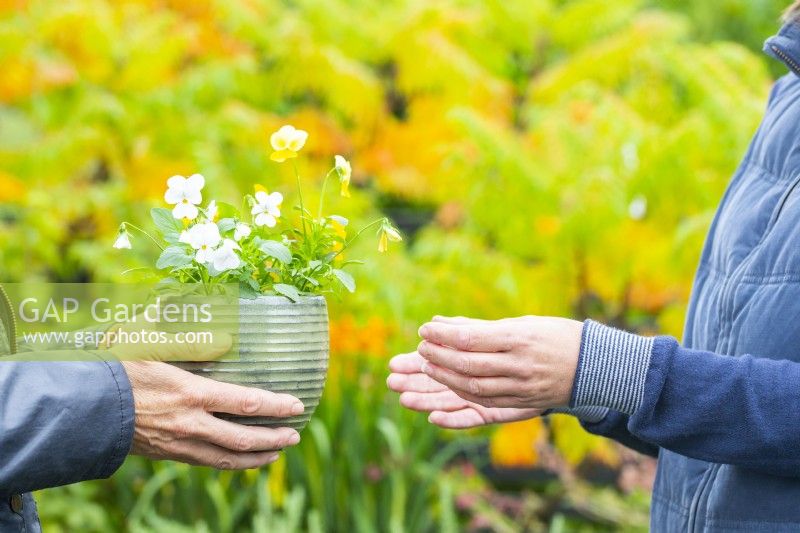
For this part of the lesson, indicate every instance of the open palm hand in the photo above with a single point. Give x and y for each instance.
(447, 409)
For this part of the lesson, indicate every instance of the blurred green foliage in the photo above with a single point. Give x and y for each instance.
(748, 22)
(542, 156)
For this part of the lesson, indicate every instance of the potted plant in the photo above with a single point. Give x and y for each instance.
(281, 265)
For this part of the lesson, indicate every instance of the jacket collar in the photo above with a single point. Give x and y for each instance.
(786, 46)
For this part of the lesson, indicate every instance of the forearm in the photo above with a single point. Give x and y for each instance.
(735, 410)
(62, 422)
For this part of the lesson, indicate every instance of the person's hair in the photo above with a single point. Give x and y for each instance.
(793, 13)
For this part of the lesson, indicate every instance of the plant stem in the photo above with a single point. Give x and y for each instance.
(205, 280)
(300, 194)
(348, 243)
(244, 210)
(322, 196)
(140, 230)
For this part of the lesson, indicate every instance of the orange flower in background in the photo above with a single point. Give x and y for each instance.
(351, 338)
(514, 445)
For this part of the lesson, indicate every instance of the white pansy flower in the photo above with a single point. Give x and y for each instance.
(267, 208)
(123, 241)
(184, 194)
(204, 238)
(286, 142)
(212, 211)
(225, 257)
(241, 231)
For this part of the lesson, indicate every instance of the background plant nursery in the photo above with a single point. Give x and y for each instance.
(539, 157)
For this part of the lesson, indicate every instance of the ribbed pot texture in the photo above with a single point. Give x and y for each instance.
(282, 347)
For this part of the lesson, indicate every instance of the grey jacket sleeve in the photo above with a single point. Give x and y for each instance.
(62, 422)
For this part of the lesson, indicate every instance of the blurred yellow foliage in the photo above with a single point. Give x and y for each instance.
(11, 188)
(514, 444)
(575, 444)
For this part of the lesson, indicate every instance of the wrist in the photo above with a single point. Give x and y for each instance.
(612, 368)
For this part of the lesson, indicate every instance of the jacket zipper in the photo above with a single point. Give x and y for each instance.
(8, 319)
(789, 61)
(727, 311)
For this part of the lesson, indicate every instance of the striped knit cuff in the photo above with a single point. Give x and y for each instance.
(612, 368)
(591, 415)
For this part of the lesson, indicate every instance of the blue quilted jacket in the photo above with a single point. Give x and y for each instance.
(722, 411)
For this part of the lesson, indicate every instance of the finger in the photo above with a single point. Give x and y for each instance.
(467, 320)
(462, 419)
(456, 320)
(433, 401)
(478, 387)
(469, 363)
(472, 337)
(406, 363)
(487, 403)
(493, 415)
(205, 454)
(413, 383)
(242, 438)
(219, 397)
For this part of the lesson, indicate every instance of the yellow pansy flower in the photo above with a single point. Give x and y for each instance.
(286, 142)
(387, 233)
(345, 171)
(339, 226)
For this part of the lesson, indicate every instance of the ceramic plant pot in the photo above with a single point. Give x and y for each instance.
(281, 347)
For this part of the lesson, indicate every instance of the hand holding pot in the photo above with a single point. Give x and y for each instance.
(174, 414)
(526, 362)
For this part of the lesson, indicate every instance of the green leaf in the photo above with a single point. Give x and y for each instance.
(226, 224)
(226, 210)
(276, 250)
(246, 277)
(290, 291)
(247, 291)
(311, 280)
(345, 278)
(174, 256)
(168, 225)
